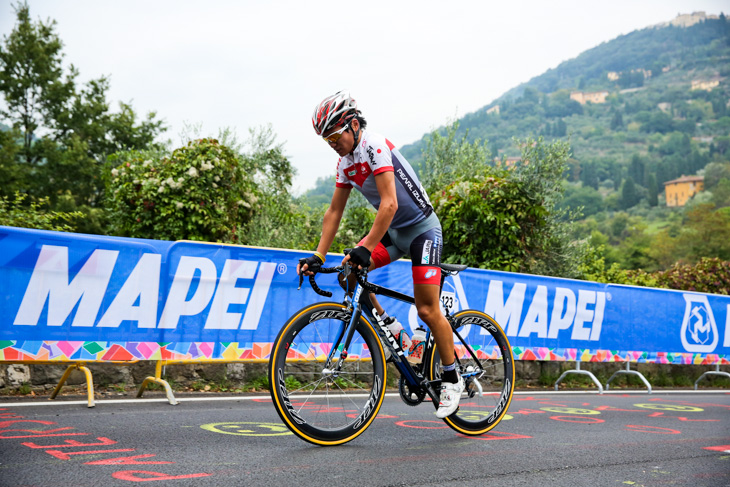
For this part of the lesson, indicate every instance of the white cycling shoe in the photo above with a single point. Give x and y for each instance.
(450, 396)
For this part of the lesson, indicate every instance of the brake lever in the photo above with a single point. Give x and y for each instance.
(301, 274)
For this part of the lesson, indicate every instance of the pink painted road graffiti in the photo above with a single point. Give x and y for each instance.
(546, 439)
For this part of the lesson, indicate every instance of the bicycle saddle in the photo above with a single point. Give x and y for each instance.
(453, 268)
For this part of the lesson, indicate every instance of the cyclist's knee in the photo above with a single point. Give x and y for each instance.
(429, 314)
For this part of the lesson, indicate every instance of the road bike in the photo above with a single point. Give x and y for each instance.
(327, 369)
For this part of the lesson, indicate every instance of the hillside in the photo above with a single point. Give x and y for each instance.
(659, 109)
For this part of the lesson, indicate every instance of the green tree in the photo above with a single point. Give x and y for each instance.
(17, 212)
(617, 122)
(721, 193)
(278, 219)
(715, 172)
(583, 199)
(636, 169)
(629, 195)
(64, 131)
(448, 158)
(507, 219)
(653, 189)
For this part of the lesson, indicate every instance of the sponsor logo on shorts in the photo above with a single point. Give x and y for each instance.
(426, 256)
(430, 273)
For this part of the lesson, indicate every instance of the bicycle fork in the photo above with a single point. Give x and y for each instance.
(341, 345)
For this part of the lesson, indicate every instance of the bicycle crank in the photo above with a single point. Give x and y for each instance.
(411, 395)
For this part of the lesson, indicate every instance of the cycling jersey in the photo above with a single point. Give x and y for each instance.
(374, 155)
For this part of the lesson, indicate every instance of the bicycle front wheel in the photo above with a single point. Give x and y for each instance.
(318, 402)
(485, 358)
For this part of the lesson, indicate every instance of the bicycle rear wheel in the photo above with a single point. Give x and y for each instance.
(318, 403)
(485, 358)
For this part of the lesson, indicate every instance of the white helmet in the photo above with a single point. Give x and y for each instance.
(334, 111)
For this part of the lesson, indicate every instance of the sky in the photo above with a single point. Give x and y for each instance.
(412, 66)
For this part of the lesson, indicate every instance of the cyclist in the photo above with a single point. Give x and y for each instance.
(405, 223)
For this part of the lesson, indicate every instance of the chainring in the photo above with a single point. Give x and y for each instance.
(411, 395)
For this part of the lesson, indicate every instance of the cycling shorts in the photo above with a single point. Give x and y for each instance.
(422, 242)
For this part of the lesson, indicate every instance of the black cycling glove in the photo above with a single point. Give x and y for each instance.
(360, 256)
(313, 263)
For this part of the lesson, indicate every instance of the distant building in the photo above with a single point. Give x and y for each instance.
(665, 107)
(494, 109)
(687, 20)
(679, 191)
(615, 76)
(707, 85)
(593, 97)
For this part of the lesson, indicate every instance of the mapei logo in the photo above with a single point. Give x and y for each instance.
(234, 297)
(699, 330)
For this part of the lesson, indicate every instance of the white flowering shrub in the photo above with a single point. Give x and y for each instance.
(202, 191)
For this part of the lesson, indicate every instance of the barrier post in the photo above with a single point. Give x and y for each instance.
(632, 372)
(157, 379)
(717, 371)
(577, 370)
(89, 382)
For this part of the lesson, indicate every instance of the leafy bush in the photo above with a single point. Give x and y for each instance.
(707, 276)
(501, 218)
(15, 213)
(483, 222)
(202, 191)
(710, 275)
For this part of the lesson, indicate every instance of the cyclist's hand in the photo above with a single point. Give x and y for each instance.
(359, 256)
(309, 265)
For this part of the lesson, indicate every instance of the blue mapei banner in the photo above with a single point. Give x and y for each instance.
(81, 297)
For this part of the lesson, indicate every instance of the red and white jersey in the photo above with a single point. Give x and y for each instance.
(374, 155)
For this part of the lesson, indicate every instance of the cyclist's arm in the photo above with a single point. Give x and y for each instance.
(385, 183)
(332, 218)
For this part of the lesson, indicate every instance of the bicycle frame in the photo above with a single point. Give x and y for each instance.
(361, 303)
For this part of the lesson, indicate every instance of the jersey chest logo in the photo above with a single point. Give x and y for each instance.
(358, 173)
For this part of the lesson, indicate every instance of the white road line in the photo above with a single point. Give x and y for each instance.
(4, 404)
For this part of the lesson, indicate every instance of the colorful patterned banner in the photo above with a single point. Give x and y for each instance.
(80, 297)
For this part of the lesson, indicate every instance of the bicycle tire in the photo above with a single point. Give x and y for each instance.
(494, 371)
(315, 405)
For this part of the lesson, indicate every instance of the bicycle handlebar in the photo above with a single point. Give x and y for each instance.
(360, 274)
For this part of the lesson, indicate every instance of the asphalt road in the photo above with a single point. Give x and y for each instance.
(662, 439)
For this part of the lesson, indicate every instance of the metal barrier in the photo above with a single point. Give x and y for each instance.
(717, 371)
(579, 371)
(70, 367)
(628, 371)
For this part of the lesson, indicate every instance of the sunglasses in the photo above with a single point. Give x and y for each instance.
(335, 136)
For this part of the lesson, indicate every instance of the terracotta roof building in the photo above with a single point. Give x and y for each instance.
(679, 191)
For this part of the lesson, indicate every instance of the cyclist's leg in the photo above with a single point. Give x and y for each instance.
(429, 310)
(425, 251)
